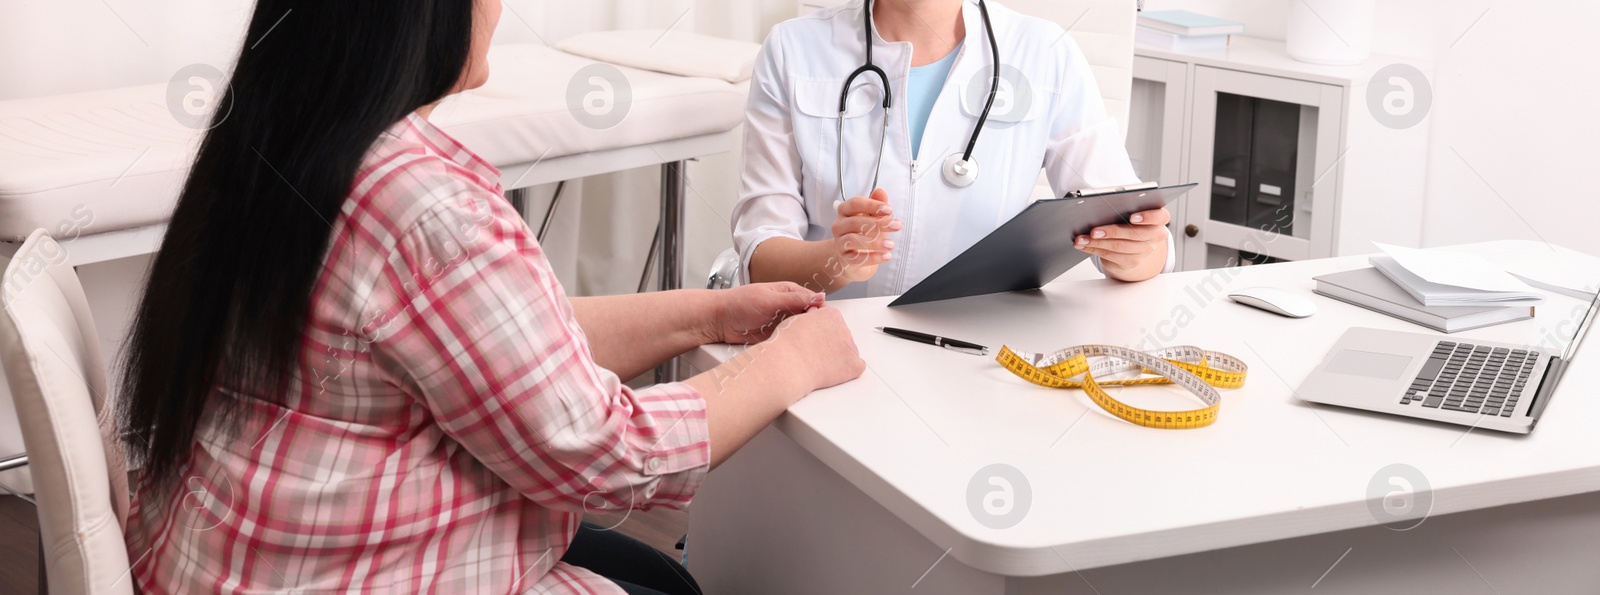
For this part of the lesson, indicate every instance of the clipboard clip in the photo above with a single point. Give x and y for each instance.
(1113, 189)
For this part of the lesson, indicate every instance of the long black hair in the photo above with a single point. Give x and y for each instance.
(228, 296)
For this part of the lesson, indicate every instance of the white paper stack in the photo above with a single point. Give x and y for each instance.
(1567, 273)
(1445, 278)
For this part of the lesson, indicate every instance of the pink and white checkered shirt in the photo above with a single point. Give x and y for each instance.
(446, 425)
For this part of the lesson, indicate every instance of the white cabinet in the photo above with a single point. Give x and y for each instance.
(1157, 124)
(1357, 172)
(1297, 227)
(1156, 132)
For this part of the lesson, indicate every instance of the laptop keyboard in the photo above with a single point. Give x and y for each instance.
(1472, 378)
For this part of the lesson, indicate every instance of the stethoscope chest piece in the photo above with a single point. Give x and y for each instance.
(959, 172)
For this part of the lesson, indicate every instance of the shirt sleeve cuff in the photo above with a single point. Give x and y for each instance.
(681, 456)
(1172, 252)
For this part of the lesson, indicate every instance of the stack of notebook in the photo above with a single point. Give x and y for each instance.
(1183, 30)
(1444, 291)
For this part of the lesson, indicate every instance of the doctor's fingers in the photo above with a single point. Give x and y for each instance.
(869, 226)
(862, 205)
(1112, 247)
(1152, 217)
(1117, 262)
(860, 242)
(1141, 233)
(866, 259)
(853, 258)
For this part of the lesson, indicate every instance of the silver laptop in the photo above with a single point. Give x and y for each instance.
(1498, 386)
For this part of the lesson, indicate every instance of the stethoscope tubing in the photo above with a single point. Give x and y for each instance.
(888, 101)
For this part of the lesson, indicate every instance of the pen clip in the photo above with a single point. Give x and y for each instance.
(967, 350)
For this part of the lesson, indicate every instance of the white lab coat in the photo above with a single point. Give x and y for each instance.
(789, 180)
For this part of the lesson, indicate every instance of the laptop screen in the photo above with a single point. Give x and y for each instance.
(1583, 327)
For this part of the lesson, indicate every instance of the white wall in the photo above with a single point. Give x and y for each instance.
(50, 47)
(1518, 104)
(1515, 95)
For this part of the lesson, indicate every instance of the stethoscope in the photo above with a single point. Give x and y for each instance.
(959, 170)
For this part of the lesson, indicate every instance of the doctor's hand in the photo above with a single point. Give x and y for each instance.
(861, 237)
(1130, 252)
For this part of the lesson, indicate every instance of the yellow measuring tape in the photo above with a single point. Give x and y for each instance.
(1198, 370)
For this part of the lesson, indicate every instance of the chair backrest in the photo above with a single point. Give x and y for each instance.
(1104, 31)
(17, 480)
(52, 360)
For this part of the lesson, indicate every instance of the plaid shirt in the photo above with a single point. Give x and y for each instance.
(445, 426)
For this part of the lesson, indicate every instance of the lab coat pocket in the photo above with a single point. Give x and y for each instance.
(817, 131)
(820, 98)
(1010, 149)
(1015, 102)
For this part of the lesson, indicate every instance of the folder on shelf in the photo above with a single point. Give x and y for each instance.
(1230, 162)
(1274, 157)
(1183, 22)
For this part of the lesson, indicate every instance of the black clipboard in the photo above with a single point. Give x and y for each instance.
(1035, 246)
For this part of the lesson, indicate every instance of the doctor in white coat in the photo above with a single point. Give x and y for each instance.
(795, 221)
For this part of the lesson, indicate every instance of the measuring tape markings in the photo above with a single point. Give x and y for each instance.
(1198, 370)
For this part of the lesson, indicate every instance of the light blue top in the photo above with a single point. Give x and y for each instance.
(922, 89)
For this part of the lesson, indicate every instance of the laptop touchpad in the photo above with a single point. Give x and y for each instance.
(1386, 366)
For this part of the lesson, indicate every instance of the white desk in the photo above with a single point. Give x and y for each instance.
(863, 488)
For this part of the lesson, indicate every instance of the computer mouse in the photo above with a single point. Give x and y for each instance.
(1277, 301)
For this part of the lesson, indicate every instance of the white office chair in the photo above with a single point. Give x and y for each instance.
(724, 270)
(1103, 29)
(52, 361)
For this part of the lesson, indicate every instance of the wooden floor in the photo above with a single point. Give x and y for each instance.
(19, 538)
(660, 528)
(19, 546)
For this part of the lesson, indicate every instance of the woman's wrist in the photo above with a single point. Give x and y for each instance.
(768, 370)
(778, 365)
(706, 307)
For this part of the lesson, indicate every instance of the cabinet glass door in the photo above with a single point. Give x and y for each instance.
(1257, 145)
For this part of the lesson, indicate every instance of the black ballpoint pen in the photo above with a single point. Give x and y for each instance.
(951, 344)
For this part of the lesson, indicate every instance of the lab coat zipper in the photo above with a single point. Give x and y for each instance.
(907, 242)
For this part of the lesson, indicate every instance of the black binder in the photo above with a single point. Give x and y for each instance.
(1255, 152)
(1230, 158)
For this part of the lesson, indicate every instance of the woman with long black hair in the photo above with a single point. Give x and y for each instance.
(352, 368)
